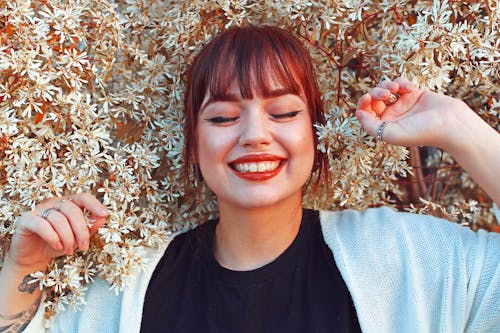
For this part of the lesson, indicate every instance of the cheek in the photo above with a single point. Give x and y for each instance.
(307, 153)
(304, 142)
(204, 149)
(300, 146)
(211, 148)
(307, 149)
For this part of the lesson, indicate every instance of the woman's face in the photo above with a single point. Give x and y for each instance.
(255, 152)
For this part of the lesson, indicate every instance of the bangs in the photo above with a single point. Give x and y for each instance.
(253, 64)
(255, 61)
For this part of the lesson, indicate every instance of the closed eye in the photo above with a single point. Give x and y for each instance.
(221, 120)
(285, 115)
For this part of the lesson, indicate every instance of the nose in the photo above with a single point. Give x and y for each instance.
(254, 128)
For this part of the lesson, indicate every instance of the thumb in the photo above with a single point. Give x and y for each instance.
(370, 123)
(364, 103)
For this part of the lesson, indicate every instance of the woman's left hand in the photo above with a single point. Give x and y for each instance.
(422, 118)
(416, 117)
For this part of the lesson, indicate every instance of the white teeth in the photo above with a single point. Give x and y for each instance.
(257, 166)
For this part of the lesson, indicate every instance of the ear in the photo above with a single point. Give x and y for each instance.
(193, 156)
(195, 162)
(197, 172)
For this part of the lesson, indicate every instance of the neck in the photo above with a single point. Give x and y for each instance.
(248, 238)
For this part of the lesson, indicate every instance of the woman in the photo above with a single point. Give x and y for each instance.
(267, 264)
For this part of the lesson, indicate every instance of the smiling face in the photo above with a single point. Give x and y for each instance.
(250, 102)
(255, 152)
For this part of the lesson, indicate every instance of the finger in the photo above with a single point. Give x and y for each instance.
(365, 104)
(372, 124)
(381, 94)
(381, 99)
(368, 121)
(392, 133)
(43, 229)
(63, 229)
(405, 86)
(77, 221)
(392, 86)
(89, 202)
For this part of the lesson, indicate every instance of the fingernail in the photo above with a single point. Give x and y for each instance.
(104, 211)
(69, 252)
(59, 246)
(84, 245)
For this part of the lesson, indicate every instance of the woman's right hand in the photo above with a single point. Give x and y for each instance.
(57, 226)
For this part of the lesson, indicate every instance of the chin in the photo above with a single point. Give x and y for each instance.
(258, 201)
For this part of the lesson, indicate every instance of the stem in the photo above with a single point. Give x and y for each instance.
(417, 188)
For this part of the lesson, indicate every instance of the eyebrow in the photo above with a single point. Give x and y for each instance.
(226, 97)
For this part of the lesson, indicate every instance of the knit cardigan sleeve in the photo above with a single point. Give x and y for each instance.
(416, 273)
(106, 311)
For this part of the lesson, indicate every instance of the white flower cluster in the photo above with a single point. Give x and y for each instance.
(91, 101)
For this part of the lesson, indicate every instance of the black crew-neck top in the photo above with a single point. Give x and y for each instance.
(300, 291)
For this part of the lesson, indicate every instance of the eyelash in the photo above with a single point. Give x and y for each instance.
(221, 120)
(285, 115)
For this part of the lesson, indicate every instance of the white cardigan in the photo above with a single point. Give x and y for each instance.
(406, 273)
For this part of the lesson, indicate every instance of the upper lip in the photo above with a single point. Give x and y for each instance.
(256, 158)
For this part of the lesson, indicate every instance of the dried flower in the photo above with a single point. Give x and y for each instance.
(91, 98)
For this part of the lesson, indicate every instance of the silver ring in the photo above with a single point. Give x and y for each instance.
(391, 100)
(380, 130)
(46, 212)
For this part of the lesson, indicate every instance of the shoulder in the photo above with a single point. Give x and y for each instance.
(384, 224)
(388, 258)
(187, 243)
(385, 238)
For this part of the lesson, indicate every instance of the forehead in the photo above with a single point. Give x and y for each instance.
(274, 90)
(258, 80)
(264, 84)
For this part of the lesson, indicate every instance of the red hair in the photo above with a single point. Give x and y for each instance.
(245, 56)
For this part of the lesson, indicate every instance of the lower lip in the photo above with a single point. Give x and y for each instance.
(259, 176)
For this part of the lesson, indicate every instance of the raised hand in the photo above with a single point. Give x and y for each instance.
(413, 116)
(424, 118)
(55, 227)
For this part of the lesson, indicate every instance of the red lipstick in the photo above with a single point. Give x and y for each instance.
(255, 158)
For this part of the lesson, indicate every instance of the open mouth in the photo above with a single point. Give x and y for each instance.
(257, 168)
(264, 166)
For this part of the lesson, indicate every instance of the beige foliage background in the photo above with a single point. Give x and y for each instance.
(91, 101)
